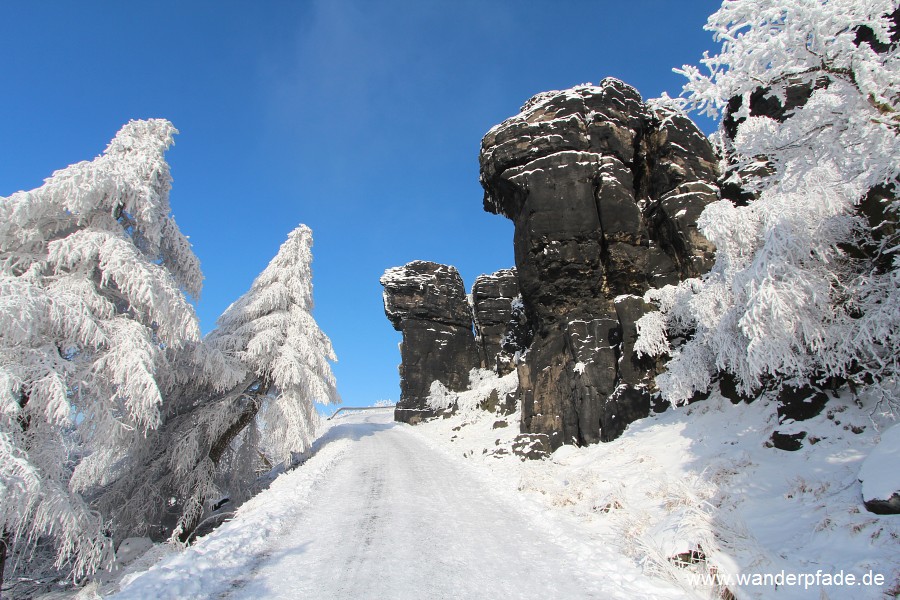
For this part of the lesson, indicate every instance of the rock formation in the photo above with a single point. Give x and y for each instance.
(492, 305)
(427, 303)
(604, 192)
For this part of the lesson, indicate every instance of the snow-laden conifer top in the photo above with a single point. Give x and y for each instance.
(271, 328)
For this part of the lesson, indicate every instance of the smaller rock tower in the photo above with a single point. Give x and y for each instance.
(427, 303)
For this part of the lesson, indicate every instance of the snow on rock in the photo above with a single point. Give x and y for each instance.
(132, 548)
(880, 475)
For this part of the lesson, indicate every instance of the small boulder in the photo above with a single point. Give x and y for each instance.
(509, 404)
(796, 404)
(800, 403)
(531, 446)
(131, 549)
(728, 386)
(791, 442)
(491, 403)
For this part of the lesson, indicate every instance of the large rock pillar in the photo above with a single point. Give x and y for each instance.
(604, 192)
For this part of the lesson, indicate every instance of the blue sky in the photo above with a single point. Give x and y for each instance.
(360, 118)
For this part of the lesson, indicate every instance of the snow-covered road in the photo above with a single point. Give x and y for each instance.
(387, 516)
(395, 519)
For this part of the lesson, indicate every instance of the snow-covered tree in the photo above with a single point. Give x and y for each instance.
(251, 390)
(806, 283)
(93, 275)
(271, 331)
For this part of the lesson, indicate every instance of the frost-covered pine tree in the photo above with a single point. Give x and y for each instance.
(250, 392)
(271, 331)
(93, 271)
(806, 283)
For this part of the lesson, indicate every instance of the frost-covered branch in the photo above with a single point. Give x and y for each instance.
(805, 284)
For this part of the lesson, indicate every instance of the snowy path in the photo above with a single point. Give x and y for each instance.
(392, 517)
(395, 519)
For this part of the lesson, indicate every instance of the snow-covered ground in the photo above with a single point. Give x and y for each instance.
(445, 510)
(380, 511)
(702, 478)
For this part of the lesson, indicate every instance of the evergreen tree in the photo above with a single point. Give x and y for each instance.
(93, 271)
(249, 391)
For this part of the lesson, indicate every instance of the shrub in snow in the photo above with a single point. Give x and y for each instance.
(484, 384)
(805, 284)
(440, 397)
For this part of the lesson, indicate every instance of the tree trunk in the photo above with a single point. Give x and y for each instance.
(218, 448)
(245, 417)
(4, 545)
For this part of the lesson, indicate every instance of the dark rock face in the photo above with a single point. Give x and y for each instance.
(800, 403)
(427, 303)
(604, 192)
(493, 403)
(891, 506)
(531, 446)
(492, 300)
(796, 404)
(728, 386)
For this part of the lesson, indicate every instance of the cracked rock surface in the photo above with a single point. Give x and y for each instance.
(492, 306)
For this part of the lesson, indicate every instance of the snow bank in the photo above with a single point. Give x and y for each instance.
(880, 473)
(231, 551)
(697, 492)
